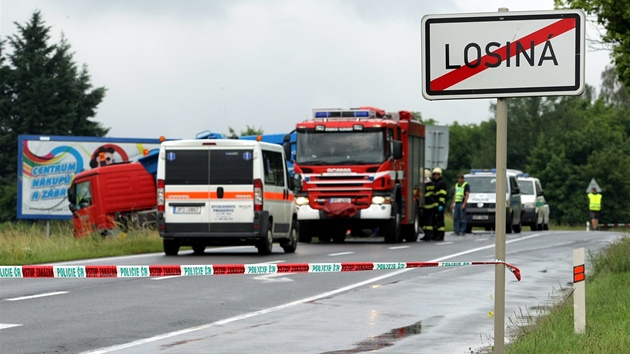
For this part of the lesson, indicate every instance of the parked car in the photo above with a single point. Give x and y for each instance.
(481, 207)
(535, 207)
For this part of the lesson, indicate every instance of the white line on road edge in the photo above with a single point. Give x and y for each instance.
(9, 325)
(398, 247)
(36, 296)
(340, 254)
(284, 306)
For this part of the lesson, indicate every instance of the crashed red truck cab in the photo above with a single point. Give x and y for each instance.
(111, 198)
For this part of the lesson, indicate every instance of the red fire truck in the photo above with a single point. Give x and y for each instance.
(360, 170)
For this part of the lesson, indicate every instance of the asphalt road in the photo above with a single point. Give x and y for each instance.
(426, 310)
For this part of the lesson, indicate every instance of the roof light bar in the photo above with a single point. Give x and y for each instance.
(340, 113)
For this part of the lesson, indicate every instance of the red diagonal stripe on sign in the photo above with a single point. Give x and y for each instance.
(464, 72)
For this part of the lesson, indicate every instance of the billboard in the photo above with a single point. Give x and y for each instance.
(47, 165)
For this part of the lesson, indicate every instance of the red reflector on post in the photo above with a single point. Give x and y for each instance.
(578, 273)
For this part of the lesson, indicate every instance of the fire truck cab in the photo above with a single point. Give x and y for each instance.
(359, 169)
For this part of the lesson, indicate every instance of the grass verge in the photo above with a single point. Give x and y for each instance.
(607, 312)
(26, 243)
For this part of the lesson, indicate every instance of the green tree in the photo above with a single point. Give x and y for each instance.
(585, 139)
(42, 92)
(614, 16)
(249, 131)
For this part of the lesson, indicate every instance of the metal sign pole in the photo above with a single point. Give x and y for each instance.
(499, 227)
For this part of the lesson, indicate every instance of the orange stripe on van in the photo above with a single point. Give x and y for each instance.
(187, 195)
(209, 195)
(277, 196)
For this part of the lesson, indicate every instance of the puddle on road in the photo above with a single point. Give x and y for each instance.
(387, 339)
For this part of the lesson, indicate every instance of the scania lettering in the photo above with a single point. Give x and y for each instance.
(360, 170)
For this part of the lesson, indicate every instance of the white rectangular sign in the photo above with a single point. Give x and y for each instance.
(503, 54)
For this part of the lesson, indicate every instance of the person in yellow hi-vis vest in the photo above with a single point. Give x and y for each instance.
(594, 207)
(458, 206)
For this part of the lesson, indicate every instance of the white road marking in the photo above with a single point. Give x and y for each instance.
(285, 306)
(36, 296)
(8, 325)
(339, 254)
(398, 247)
(167, 277)
(268, 278)
(444, 243)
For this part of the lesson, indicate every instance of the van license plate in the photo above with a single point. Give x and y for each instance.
(186, 210)
(339, 200)
(480, 217)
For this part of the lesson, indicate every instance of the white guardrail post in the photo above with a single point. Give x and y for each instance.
(579, 291)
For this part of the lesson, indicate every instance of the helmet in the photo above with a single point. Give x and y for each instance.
(437, 170)
(427, 173)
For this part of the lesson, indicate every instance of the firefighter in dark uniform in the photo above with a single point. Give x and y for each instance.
(430, 204)
(440, 197)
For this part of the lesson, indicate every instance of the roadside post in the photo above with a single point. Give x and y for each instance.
(501, 55)
(579, 291)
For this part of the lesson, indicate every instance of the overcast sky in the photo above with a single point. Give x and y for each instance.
(176, 68)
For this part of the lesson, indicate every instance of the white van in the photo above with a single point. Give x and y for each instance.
(535, 207)
(481, 206)
(224, 192)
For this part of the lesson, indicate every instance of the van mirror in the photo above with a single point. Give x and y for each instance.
(540, 193)
(516, 190)
(397, 150)
(287, 150)
(297, 182)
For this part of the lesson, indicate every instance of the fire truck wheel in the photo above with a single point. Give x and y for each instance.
(411, 231)
(392, 230)
(339, 236)
(199, 249)
(305, 232)
(290, 245)
(171, 247)
(266, 244)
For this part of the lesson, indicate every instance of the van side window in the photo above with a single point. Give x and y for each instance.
(513, 184)
(273, 168)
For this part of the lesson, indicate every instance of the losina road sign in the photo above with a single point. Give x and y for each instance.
(503, 54)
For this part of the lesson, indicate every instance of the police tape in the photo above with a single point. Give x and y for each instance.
(145, 271)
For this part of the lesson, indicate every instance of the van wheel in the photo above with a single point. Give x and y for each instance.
(266, 244)
(290, 245)
(199, 249)
(171, 247)
(305, 232)
(468, 229)
(392, 230)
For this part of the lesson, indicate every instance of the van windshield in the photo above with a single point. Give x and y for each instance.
(527, 187)
(482, 184)
(353, 147)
